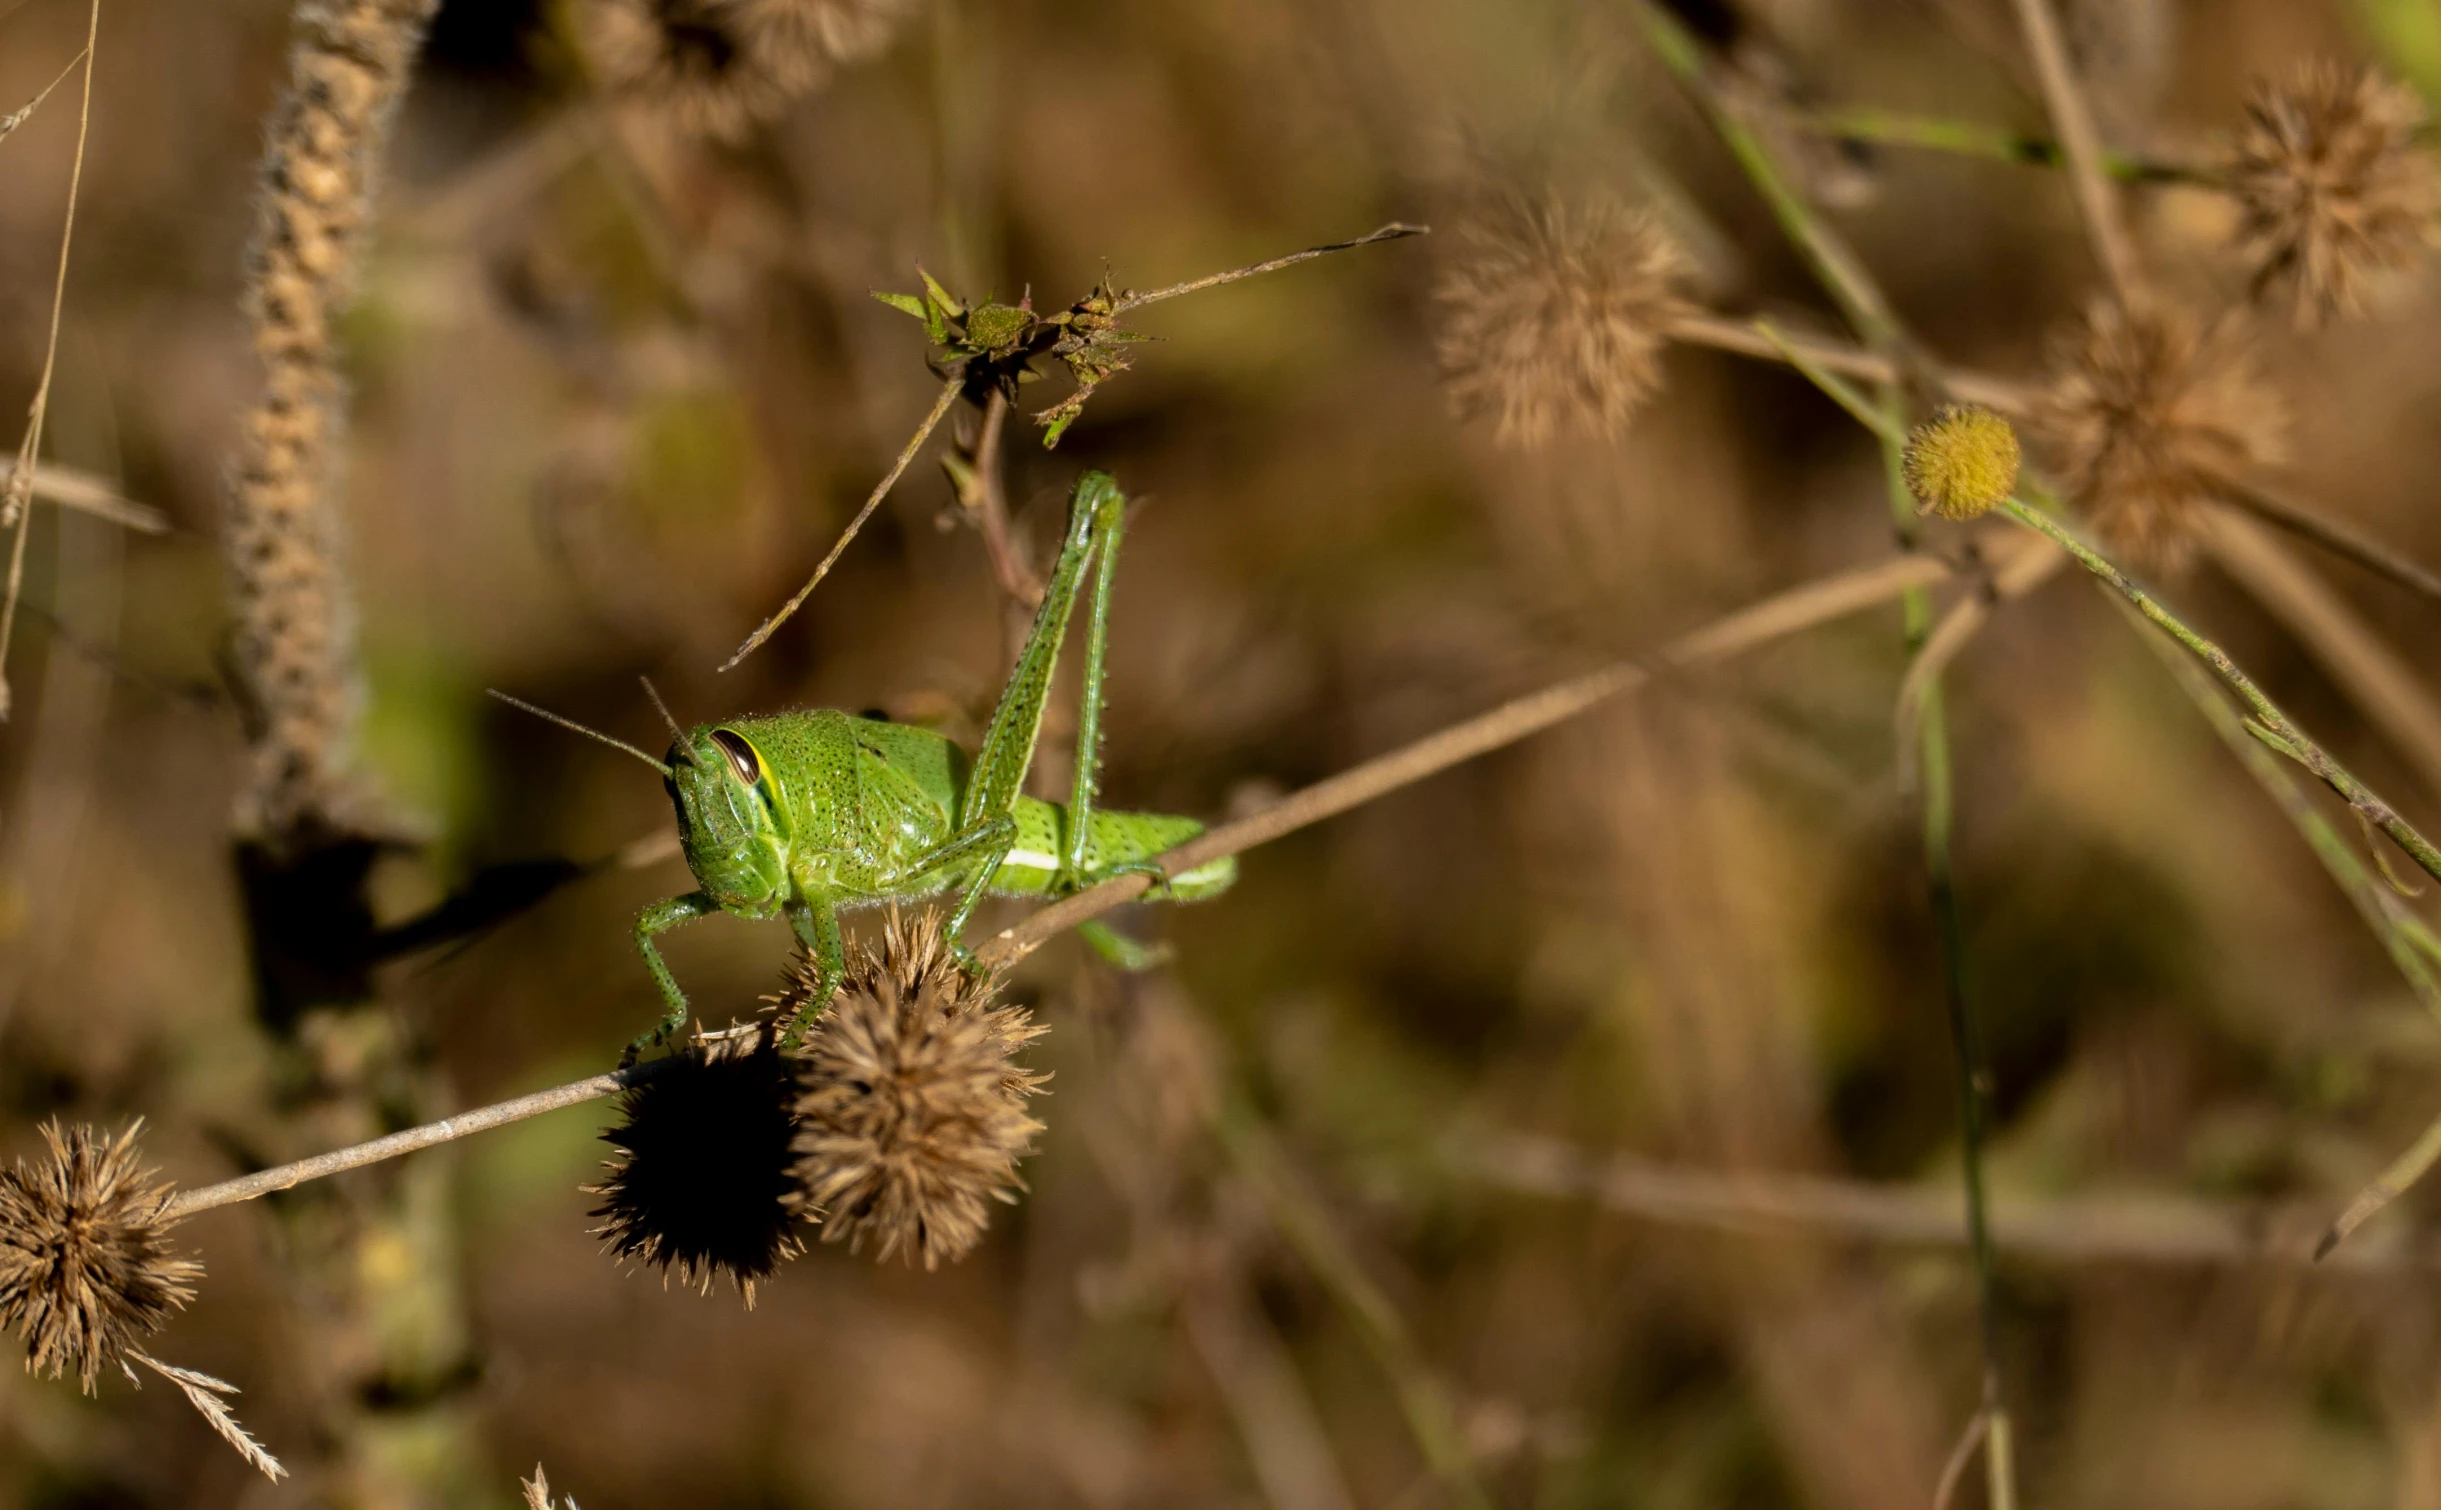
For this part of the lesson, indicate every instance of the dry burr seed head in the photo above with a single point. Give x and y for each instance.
(1962, 462)
(825, 32)
(86, 1269)
(2147, 417)
(702, 1182)
(2332, 185)
(913, 1116)
(710, 65)
(1553, 316)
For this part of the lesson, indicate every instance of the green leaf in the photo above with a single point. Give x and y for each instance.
(941, 297)
(911, 303)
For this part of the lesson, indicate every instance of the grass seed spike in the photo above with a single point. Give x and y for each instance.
(810, 813)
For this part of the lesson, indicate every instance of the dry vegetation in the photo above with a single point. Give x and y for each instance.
(1768, 969)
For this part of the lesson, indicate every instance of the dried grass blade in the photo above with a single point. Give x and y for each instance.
(203, 1392)
(2393, 1182)
(881, 490)
(17, 498)
(23, 113)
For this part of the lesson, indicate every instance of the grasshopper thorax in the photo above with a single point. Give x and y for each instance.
(732, 819)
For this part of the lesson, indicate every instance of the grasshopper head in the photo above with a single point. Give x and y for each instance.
(730, 820)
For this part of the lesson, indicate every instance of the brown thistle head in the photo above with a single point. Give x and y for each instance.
(2148, 416)
(1553, 315)
(701, 1184)
(86, 1269)
(710, 66)
(913, 1116)
(2332, 185)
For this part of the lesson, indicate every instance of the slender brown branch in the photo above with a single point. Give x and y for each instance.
(2029, 567)
(2155, 1229)
(881, 490)
(338, 1161)
(1391, 232)
(1774, 617)
(2072, 117)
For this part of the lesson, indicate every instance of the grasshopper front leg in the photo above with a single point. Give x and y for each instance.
(661, 917)
(817, 928)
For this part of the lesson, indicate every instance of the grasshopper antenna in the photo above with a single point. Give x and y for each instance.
(570, 724)
(678, 736)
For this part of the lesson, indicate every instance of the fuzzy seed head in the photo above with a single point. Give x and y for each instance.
(86, 1270)
(2332, 185)
(1962, 462)
(2147, 415)
(913, 1116)
(1553, 316)
(709, 65)
(701, 1184)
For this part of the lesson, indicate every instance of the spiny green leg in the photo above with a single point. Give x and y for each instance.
(817, 928)
(661, 917)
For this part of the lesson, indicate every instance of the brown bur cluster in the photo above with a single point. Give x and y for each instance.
(898, 1121)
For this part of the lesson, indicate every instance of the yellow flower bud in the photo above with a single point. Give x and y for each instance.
(1961, 462)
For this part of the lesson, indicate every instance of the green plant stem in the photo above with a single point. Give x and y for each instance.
(1976, 139)
(1972, 1076)
(2293, 739)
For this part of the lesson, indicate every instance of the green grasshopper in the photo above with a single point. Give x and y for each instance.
(811, 813)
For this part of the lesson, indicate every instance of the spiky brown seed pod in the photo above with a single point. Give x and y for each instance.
(711, 66)
(1962, 462)
(86, 1269)
(826, 32)
(913, 1116)
(2332, 185)
(1553, 316)
(702, 1183)
(2147, 417)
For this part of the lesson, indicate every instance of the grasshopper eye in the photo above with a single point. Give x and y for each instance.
(741, 756)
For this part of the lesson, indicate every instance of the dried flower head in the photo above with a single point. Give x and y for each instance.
(1553, 316)
(914, 1111)
(711, 66)
(825, 31)
(2147, 415)
(86, 1269)
(2332, 185)
(1962, 462)
(702, 1182)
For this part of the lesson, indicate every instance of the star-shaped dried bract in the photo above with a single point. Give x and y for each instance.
(86, 1269)
(996, 346)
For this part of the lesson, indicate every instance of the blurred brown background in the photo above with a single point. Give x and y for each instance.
(611, 404)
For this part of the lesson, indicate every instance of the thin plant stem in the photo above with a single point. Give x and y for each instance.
(881, 490)
(2072, 117)
(2293, 739)
(16, 503)
(1972, 1076)
(2283, 511)
(2152, 1229)
(1391, 232)
(1978, 139)
(25, 112)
